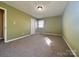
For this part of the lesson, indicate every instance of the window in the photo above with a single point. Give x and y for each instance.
(40, 23)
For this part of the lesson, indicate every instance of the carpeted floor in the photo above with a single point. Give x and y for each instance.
(36, 46)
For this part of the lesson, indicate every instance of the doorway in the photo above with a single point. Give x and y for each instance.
(3, 24)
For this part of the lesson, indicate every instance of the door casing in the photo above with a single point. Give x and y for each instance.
(4, 24)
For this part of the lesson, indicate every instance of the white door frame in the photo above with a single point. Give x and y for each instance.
(4, 24)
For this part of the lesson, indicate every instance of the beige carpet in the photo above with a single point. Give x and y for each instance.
(36, 46)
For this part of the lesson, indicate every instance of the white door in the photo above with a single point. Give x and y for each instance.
(33, 26)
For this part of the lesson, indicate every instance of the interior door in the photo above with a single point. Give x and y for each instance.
(33, 26)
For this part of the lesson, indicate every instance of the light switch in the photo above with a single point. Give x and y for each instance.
(14, 22)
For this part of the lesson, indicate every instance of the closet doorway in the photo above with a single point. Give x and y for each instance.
(3, 24)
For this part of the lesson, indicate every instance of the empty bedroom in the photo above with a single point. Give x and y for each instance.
(39, 28)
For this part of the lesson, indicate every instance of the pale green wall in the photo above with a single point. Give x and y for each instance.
(71, 25)
(52, 25)
(22, 20)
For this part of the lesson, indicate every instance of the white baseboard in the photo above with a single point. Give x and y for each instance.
(70, 47)
(52, 34)
(16, 38)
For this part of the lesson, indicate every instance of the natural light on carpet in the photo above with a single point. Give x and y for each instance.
(48, 41)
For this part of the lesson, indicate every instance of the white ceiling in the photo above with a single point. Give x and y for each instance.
(51, 8)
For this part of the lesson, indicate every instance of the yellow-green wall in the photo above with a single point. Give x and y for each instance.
(22, 22)
(71, 25)
(52, 25)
